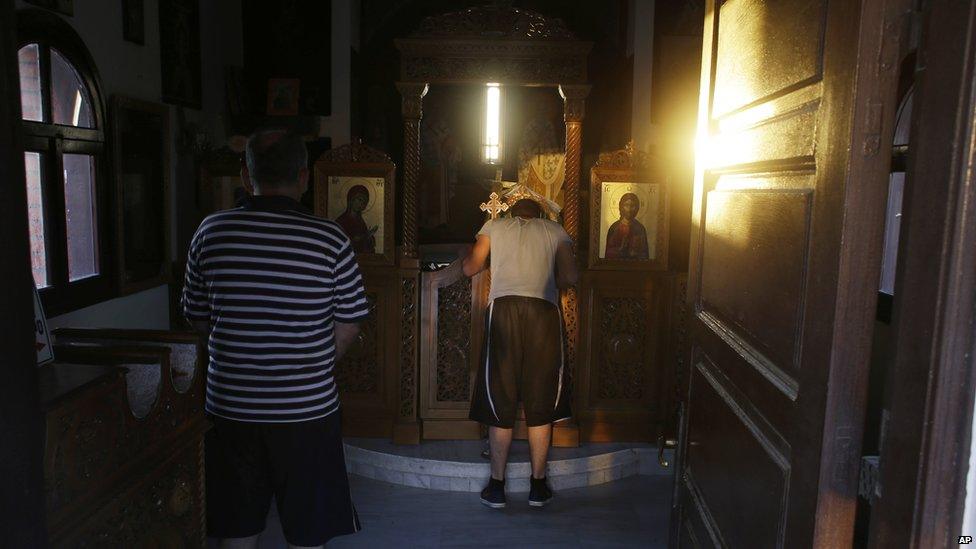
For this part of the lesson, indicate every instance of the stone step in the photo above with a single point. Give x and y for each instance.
(457, 465)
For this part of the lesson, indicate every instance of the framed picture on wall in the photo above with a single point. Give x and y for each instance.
(179, 52)
(278, 43)
(283, 96)
(219, 185)
(64, 7)
(141, 143)
(228, 191)
(354, 186)
(628, 214)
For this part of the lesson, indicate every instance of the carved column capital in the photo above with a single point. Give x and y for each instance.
(574, 101)
(412, 95)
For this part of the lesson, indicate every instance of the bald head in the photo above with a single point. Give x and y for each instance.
(526, 208)
(275, 158)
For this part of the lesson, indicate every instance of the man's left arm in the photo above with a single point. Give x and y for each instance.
(345, 334)
(351, 305)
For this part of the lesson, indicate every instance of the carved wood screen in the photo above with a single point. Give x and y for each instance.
(452, 328)
(630, 344)
(493, 44)
(367, 375)
(621, 347)
(478, 45)
(629, 349)
(376, 382)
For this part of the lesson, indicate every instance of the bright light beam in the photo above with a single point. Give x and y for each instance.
(77, 109)
(493, 123)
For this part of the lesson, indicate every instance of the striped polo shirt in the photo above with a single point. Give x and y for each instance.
(272, 280)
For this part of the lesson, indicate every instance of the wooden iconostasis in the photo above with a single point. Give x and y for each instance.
(410, 374)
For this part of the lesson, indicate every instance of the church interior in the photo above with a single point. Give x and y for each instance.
(772, 207)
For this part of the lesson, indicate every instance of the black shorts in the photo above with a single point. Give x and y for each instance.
(300, 464)
(522, 360)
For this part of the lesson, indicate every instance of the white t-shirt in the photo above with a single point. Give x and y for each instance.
(523, 256)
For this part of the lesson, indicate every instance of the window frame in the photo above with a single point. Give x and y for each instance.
(53, 141)
(899, 163)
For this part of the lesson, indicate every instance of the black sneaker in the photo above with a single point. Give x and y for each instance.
(494, 494)
(539, 492)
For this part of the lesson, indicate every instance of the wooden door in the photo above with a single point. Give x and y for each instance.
(451, 332)
(21, 427)
(787, 221)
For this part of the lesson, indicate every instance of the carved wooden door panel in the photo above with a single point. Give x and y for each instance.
(789, 198)
(451, 318)
(620, 395)
(367, 374)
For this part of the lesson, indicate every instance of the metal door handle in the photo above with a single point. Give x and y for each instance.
(663, 443)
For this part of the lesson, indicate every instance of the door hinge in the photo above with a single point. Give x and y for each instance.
(869, 479)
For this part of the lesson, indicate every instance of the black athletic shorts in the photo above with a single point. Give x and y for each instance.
(300, 464)
(522, 360)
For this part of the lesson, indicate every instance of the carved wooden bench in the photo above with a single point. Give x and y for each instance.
(123, 458)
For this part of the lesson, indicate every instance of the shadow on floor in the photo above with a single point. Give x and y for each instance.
(631, 512)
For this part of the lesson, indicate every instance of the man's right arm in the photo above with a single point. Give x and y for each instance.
(567, 274)
(195, 301)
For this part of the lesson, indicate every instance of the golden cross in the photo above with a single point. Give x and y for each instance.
(494, 206)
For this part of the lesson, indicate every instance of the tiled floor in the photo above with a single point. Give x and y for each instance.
(632, 512)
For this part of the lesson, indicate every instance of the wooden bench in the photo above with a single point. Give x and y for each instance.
(123, 460)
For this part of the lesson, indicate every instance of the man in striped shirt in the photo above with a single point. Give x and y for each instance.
(280, 295)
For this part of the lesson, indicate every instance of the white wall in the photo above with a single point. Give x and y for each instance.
(144, 310)
(641, 34)
(134, 70)
(345, 37)
(221, 45)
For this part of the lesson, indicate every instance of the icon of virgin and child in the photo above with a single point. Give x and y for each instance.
(627, 237)
(363, 238)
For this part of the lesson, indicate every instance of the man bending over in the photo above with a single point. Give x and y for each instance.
(531, 259)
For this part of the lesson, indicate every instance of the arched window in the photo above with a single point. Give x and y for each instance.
(64, 145)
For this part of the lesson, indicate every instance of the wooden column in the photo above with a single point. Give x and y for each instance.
(574, 96)
(412, 94)
(406, 429)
